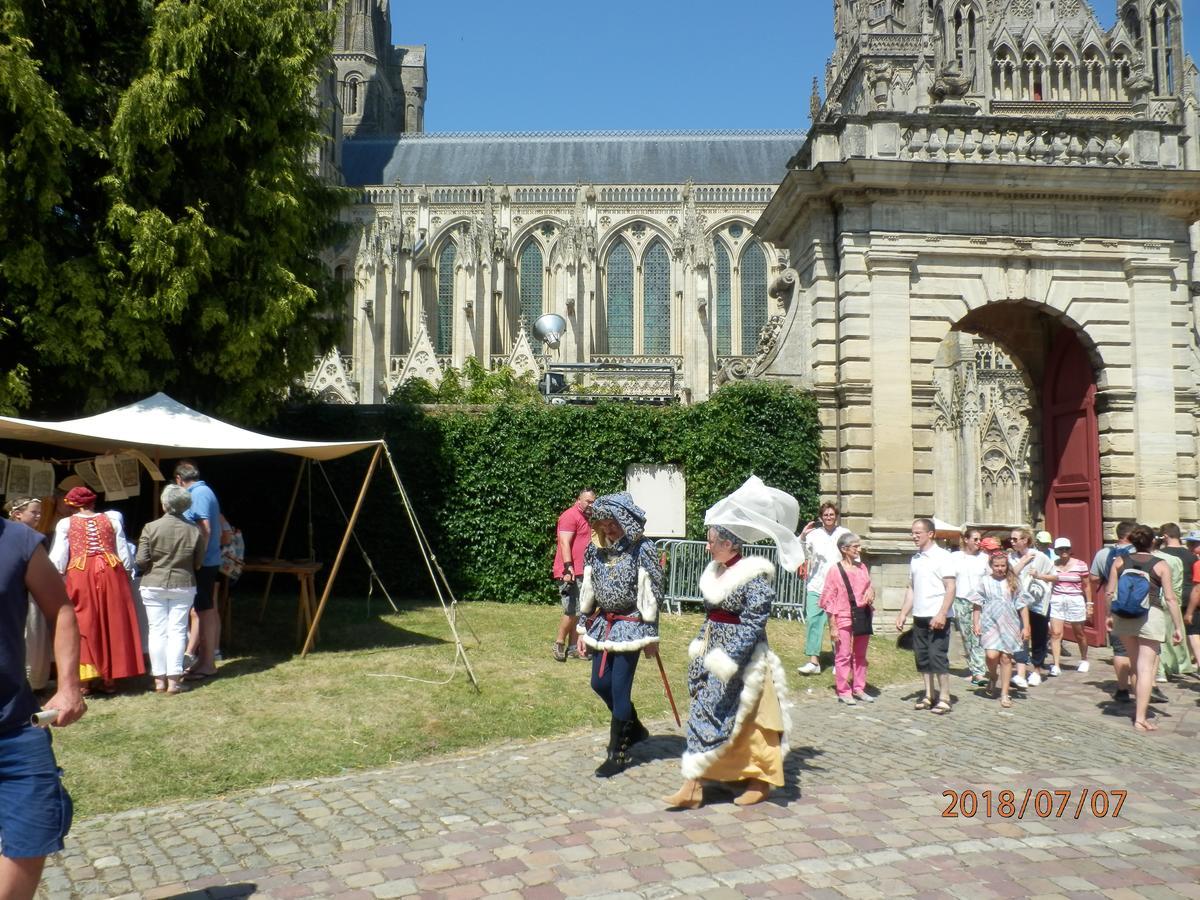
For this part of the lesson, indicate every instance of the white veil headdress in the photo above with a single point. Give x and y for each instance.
(755, 512)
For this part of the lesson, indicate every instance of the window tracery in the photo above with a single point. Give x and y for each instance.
(656, 300)
(722, 298)
(530, 282)
(445, 298)
(754, 296)
(619, 299)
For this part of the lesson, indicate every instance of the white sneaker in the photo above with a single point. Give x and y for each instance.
(1055, 671)
(810, 668)
(1034, 679)
(864, 697)
(1020, 682)
(1083, 666)
(1161, 679)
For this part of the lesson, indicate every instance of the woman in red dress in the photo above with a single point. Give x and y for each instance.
(90, 549)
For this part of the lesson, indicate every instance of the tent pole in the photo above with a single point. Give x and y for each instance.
(287, 520)
(337, 562)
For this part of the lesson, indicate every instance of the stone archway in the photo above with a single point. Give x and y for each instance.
(1015, 423)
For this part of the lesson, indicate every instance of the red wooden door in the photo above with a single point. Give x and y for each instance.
(1071, 442)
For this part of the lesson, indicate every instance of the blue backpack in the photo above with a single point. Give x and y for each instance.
(1133, 591)
(1122, 550)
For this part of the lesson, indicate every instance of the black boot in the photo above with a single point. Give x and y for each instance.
(638, 731)
(619, 731)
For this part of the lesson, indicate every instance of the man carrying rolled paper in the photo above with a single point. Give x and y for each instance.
(35, 811)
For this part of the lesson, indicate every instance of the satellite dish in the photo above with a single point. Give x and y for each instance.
(549, 328)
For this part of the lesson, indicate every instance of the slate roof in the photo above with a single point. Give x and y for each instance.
(718, 157)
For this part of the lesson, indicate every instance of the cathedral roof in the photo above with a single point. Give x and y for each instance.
(599, 157)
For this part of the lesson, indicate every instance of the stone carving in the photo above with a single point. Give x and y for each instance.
(522, 360)
(1000, 141)
(982, 413)
(690, 243)
(951, 84)
(330, 380)
(421, 362)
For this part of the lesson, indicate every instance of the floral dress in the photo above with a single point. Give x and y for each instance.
(622, 588)
(738, 723)
(1000, 626)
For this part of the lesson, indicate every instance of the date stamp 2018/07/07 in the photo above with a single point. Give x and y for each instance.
(1029, 803)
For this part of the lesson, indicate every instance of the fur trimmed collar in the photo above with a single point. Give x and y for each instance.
(718, 582)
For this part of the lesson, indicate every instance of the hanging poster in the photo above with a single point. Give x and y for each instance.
(20, 474)
(110, 477)
(131, 478)
(87, 472)
(41, 480)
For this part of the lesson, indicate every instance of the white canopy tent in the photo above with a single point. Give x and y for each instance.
(160, 427)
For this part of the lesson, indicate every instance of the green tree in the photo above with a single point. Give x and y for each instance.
(163, 218)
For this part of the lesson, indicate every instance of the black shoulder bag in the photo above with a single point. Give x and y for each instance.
(861, 617)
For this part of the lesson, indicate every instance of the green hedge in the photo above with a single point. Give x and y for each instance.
(490, 483)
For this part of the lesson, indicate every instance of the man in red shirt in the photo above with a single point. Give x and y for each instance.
(574, 533)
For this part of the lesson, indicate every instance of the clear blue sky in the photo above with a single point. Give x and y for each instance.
(536, 65)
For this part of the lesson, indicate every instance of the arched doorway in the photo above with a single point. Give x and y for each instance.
(1015, 430)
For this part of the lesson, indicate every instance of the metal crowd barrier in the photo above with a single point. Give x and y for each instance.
(684, 561)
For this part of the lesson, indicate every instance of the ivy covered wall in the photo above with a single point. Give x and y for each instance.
(489, 483)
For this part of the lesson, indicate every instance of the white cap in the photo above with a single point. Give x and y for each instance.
(1062, 543)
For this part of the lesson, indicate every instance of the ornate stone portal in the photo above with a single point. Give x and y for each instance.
(983, 436)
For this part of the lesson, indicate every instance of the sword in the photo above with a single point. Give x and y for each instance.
(667, 687)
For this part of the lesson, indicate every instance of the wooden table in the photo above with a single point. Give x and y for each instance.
(305, 572)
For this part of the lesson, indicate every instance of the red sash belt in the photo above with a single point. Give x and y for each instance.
(725, 618)
(610, 619)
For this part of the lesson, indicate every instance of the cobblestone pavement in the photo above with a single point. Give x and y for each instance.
(862, 815)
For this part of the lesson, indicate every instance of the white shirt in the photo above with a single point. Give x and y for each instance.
(925, 574)
(823, 555)
(969, 572)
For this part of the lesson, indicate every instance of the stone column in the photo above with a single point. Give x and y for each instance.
(892, 399)
(1156, 465)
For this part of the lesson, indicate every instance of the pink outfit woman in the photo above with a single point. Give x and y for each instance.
(850, 655)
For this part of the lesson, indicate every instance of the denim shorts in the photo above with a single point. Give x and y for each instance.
(35, 809)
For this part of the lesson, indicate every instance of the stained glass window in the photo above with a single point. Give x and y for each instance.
(754, 296)
(530, 267)
(445, 301)
(722, 302)
(619, 302)
(656, 300)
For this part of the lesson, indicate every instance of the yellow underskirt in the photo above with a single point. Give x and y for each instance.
(755, 752)
(87, 672)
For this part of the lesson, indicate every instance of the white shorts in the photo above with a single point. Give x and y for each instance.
(1068, 608)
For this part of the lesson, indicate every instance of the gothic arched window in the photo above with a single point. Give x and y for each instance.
(353, 99)
(619, 299)
(656, 300)
(722, 299)
(754, 296)
(966, 38)
(445, 298)
(1162, 39)
(529, 264)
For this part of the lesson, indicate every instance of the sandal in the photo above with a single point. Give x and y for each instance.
(924, 703)
(1144, 726)
(941, 708)
(1006, 703)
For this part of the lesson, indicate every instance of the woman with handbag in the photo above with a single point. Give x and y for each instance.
(738, 722)
(848, 599)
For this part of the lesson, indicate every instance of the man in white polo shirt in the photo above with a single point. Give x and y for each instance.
(930, 599)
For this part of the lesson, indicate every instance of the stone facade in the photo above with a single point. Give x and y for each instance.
(995, 174)
(985, 186)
